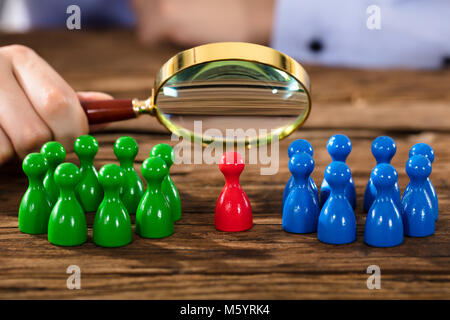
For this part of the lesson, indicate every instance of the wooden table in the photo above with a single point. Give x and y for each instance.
(198, 262)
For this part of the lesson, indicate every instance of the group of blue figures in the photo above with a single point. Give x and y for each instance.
(389, 216)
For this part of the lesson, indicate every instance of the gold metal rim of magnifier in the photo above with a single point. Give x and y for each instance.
(222, 51)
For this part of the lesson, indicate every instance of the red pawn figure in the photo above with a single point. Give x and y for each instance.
(233, 210)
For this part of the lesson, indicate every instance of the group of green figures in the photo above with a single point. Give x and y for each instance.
(59, 194)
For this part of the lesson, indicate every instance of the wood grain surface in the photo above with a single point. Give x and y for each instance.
(198, 262)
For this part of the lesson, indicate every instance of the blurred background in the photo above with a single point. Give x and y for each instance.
(356, 33)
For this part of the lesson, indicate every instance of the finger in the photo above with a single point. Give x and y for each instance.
(92, 96)
(18, 119)
(52, 98)
(6, 148)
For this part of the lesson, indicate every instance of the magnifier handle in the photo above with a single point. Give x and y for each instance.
(103, 111)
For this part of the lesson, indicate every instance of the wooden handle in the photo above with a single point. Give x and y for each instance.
(103, 111)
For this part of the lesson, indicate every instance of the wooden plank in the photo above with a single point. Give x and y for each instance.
(199, 262)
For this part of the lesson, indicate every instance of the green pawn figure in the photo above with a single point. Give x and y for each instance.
(112, 224)
(88, 190)
(67, 224)
(55, 154)
(165, 152)
(35, 206)
(132, 190)
(154, 217)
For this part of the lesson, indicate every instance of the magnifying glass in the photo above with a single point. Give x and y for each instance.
(227, 92)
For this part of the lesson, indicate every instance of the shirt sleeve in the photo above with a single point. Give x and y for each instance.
(411, 34)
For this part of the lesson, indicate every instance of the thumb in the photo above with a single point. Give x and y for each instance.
(93, 95)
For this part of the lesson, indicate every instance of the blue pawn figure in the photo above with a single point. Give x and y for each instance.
(301, 209)
(417, 207)
(337, 222)
(384, 226)
(428, 152)
(339, 147)
(383, 149)
(300, 146)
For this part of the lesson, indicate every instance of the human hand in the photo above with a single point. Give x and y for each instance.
(194, 22)
(36, 104)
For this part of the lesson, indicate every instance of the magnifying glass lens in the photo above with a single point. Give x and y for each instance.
(230, 95)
